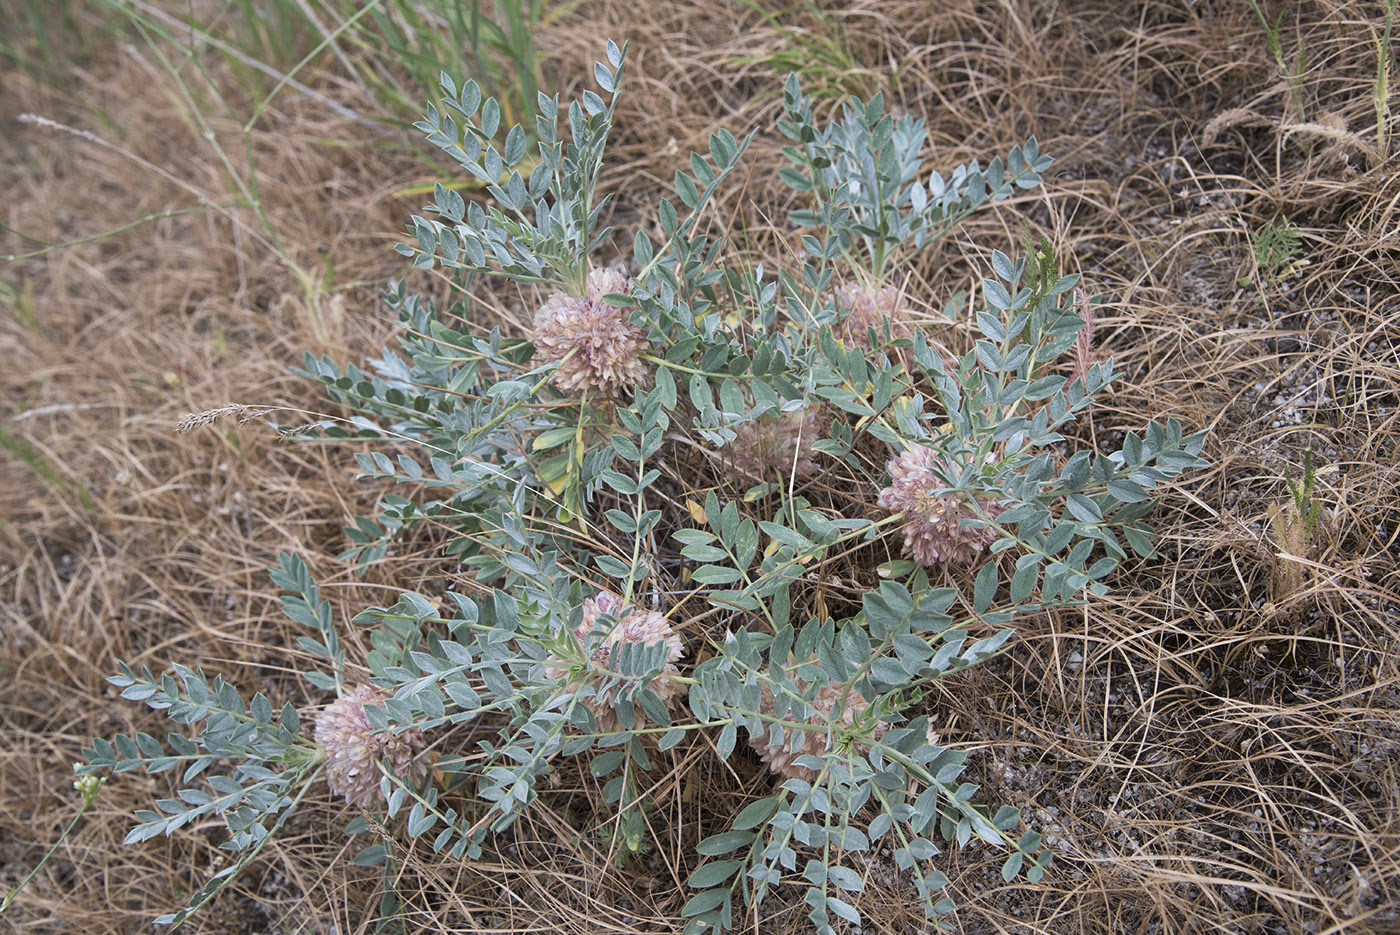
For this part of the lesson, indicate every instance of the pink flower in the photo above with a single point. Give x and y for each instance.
(777, 443)
(933, 533)
(781, 758)
(645, 627)
(353, 747)
(868, 307)
(595, 345)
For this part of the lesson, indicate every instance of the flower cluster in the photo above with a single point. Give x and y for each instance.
(595, 345)
(867, 307)
(353, 747)
(781, 757)
(777, 443)
(644, 627)
(933, 529)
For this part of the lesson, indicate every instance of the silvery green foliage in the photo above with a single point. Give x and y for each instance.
(865, 175)
(273, 767)
(541, 490)
(541, 228)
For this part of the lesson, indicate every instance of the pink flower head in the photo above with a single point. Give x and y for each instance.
(933, 533)
(595, 345)
(781, 758)
(867, 307)
(353, 747)
(646, 627)
(777, 443)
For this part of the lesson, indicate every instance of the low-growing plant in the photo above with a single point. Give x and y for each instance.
(1277, 247)
(647, 493)
(1273, 37)
(88, 788)
(1296, 525)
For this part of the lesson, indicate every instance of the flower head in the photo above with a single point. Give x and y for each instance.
(353, 747)
(88, 786)
(595, 345)
(643, 627)
(868, 307)
(781, 758)
(778, 442)
(933, 532)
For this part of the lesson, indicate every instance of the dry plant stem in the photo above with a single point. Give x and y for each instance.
(270, 241)
(248, 188)
(1384, 62)
(205, 202)
(48, 247)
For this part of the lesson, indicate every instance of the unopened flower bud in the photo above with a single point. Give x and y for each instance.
(644, 627)
(782, 759)
(777, 443)
(868, 307)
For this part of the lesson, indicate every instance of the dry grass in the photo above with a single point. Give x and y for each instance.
(1208, 754)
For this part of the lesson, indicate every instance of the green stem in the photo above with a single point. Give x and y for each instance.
(87, 803)
(249, 856)
(500, 417)
(49, 247)
(672, 365)
(949, 791)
